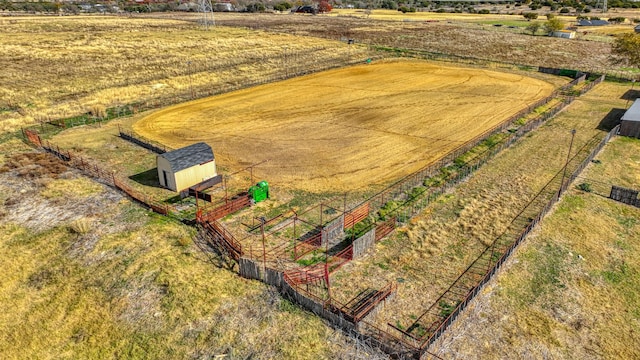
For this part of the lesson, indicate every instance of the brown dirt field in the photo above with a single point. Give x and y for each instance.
(349, 128)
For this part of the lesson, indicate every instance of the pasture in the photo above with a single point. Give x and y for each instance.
(437, 245)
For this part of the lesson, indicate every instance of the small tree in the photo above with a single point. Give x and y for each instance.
(530, 16)
(533, 27)
(324, 6)
(617, 20)
(626, 50)
(553, 25)
(255, 7)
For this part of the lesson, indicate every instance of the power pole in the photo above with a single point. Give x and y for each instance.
(206, 8)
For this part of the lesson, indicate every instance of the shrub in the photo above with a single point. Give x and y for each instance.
(80, 226)
(533, 29)
(184, 242)
(389, 4)
(530, 16)
(484, 11)
(388, 209)
(564, 10)
(617, 20)
(255, 7)
(586, 187)
(98, 111)
(283, 6)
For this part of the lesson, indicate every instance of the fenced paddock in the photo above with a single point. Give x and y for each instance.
(91, 169)
(317, 275)
(314, 280)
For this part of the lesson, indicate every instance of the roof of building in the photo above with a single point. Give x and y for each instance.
(585, 22)
(633, 113)
(188, 156)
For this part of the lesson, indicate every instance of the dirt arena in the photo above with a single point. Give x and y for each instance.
(349, 128)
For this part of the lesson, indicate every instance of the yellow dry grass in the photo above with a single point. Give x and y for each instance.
(81, 186)
(571, 291)
(125, 282)
(619, 165)
(349, 128)
(56, 67)
(430, 252)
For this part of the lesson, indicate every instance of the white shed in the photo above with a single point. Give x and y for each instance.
(630, 122)
(182, 168)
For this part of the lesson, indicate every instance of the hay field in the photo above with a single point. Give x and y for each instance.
(436, 246)
(349, 128)
(57, 67)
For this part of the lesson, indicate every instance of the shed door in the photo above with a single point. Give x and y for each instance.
(164, 175)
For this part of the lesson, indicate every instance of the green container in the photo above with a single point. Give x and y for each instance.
(259, 191)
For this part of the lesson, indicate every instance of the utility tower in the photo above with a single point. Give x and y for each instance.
(604, 5)
(206, 8)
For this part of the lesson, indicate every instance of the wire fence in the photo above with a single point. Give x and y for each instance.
(288, 64)
(405, 202)
(142, 141)
(449, 305)
(91, 169)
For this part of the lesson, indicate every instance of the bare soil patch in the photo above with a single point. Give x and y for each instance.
(349, 128)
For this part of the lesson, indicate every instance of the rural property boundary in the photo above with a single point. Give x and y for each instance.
(310, 287)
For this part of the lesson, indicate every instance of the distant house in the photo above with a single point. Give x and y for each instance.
(637, 29)
(306, 9)
(223, 7)
(585, 22)
(630, 122)
(185, 167)
(566, 34)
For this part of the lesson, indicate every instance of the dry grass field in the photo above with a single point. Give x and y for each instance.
(572, 290)
(453, 35)
(350, 128)
(89, 274)
(56, 67)
(428, 254)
